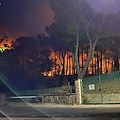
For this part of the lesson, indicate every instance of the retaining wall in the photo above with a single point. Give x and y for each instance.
(96, 98)
(59, 99)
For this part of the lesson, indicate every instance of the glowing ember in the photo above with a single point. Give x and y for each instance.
(49, 74)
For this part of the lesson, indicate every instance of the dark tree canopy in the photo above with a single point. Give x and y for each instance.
(77, 23)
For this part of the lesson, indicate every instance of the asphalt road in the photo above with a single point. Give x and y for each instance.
(81, 112)
(22, 111)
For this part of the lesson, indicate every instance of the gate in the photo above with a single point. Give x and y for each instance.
(103, 88)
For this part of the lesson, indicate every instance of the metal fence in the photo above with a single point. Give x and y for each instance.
(103, 88)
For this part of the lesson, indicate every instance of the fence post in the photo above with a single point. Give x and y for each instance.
(100, 89)
(81, 86)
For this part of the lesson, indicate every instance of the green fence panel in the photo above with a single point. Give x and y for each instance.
(91, 90)
(111, 87)
(106, 88)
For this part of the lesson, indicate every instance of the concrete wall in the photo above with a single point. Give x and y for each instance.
(78, 91)
(59, 99)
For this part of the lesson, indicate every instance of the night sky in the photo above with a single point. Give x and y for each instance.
(24, 17)
(29, 17)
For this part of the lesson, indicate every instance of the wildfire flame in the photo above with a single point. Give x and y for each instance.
(92, 67)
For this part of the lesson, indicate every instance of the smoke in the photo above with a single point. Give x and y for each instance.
(24, 17)
(105, 6)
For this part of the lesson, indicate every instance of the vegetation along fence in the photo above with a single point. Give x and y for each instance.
(103, 88)
(48, 91)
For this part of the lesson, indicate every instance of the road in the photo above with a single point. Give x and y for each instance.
(20, 111)
(60, 112)
(80, 112)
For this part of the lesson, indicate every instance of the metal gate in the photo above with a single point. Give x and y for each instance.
(103, 88)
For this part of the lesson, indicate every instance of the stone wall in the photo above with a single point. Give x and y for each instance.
(96, 98)
(59, 99)
(91, 98)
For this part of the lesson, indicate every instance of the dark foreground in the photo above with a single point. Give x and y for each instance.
(23, 111)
